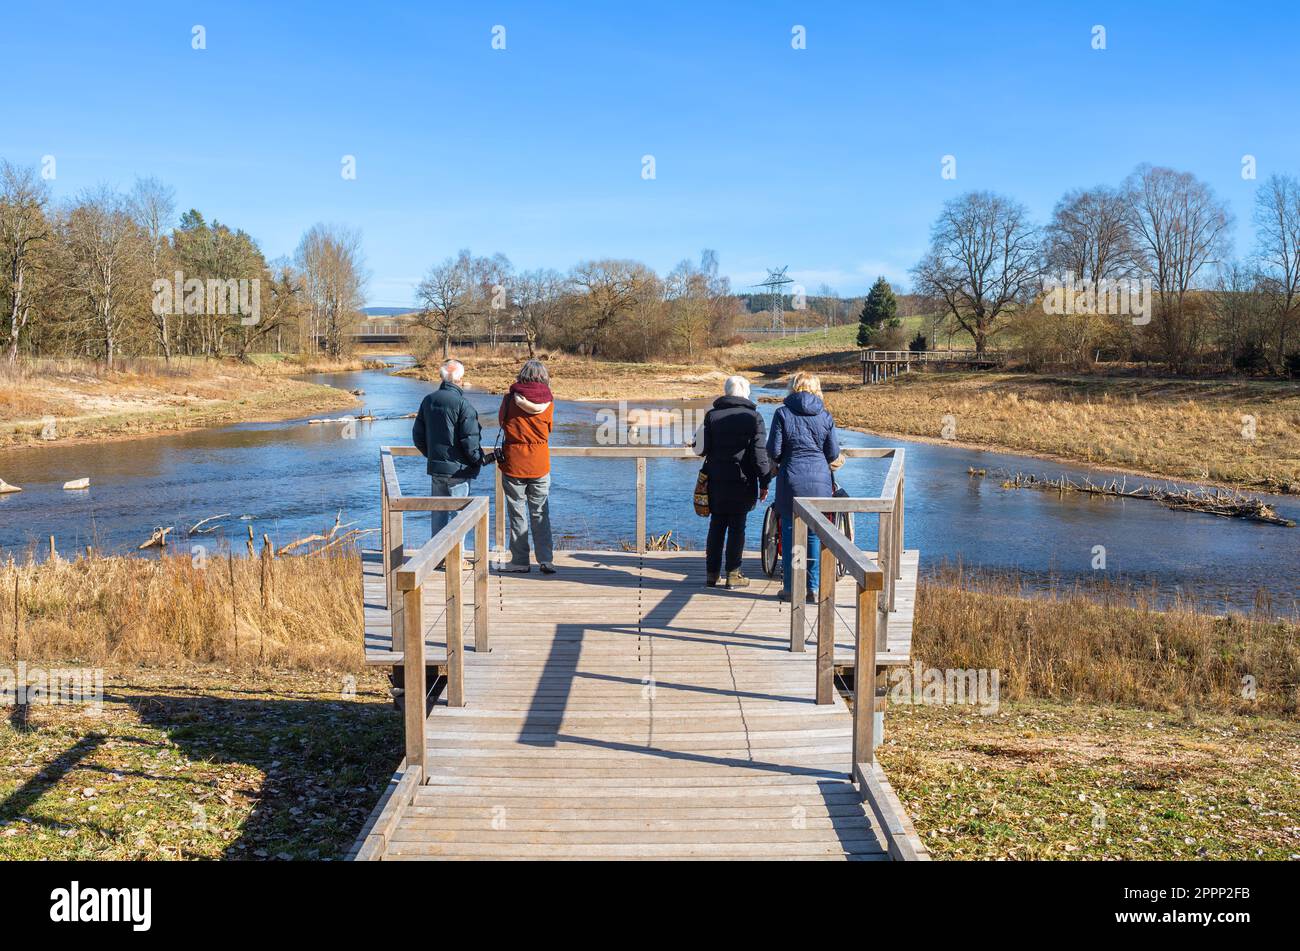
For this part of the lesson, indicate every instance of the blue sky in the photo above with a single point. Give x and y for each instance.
(826, 159)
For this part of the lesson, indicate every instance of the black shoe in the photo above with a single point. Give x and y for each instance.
(783, 595)
(711, 580)
(812, 597)
(547, 568)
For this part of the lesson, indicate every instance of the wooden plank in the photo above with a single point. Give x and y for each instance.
(481, 585)
(455, 645)
(864, 680)
(640, 504)
(414, 686)
(903, 842)
(826, 628)
(434, 551)
(798, 584)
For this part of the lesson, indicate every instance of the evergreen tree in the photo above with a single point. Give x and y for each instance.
(879, 309)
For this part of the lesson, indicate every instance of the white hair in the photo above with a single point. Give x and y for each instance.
(736, 386)
(453, 371)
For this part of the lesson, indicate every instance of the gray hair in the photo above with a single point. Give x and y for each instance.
(736, 386)
(453, 371)
(534, 371)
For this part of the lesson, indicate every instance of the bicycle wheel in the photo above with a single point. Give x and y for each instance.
(771, 542)
(844, 522)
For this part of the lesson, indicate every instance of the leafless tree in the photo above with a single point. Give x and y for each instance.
(107, 253)
(984, 261)
(610, 288)
(1277, 223)
(152, 205)
(536, 298)
(1177, 227)
(24, 229)
(333, 280)
(448, 297)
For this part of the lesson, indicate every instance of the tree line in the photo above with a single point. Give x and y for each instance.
(991, 270)
(109, 273)
(613, 308)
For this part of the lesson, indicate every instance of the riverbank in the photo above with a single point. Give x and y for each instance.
(580, 378)
(240, 722)
(1244, 434)
(58, 401)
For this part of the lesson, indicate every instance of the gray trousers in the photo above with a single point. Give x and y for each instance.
(528, 507)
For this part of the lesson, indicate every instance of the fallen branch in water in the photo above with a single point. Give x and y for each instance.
(318, 537)
(196, 530)
(1224, 503)
(346, 536)
(157, 540)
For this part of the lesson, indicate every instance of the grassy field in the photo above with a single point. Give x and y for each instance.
(579, 378)
(1183, 429)
(1122, 731)
(146, 396)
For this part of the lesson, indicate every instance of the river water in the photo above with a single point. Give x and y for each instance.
(289, 479)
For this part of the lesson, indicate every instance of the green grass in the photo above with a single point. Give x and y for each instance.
(841, 337)
(1043, 780)
(195, 765)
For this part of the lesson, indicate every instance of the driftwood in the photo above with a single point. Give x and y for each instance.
(196, 528)
(157, 540)
(318, 537)
(1225, 503)
(5, 487)
(345, 537)
(77, 484)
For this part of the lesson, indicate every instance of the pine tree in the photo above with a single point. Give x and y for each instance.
(879, 309)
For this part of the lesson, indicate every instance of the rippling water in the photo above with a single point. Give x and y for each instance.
(288, 479)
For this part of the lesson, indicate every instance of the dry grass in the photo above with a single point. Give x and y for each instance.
(1112, 646)
(120, 611)
(1184, 429)
(145, 395)
(579, 378)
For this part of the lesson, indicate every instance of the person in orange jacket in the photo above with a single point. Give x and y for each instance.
(527, 415)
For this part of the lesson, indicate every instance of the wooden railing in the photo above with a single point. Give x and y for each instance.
(639, 453)
(405, 579)
(876, 581)
(931, 356)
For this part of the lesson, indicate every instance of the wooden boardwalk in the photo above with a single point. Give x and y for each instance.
(625, 710)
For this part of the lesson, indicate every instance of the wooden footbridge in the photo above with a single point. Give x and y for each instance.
(879, 366)
(620, 709)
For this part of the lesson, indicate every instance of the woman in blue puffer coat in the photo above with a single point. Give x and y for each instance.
(802, 444)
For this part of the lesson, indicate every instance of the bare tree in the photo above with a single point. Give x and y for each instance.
(152, 205)
(984, 261)
(536, 299)
(1177, 227)
(1277, 223)
(611, 289)
(333, 280)
(106, 252)
(24, 228)
(448, 297)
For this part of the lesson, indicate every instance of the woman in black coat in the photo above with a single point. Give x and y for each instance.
(734, 446)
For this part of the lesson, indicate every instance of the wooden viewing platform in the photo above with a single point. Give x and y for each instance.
(621, 709)
(881, 365)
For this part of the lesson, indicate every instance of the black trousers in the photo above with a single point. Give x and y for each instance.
(732, 528)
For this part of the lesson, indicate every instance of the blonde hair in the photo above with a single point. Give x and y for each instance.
(803, 382)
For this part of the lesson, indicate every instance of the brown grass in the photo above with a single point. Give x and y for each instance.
(580, 378)
(1112, 646)
(120, 611)
(140, 396)
(1184, 429)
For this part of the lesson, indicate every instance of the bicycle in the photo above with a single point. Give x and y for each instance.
(771, 539)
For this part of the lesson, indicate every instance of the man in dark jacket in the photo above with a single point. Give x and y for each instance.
(733, 444)
(446, 432)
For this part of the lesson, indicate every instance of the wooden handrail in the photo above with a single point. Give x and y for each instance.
(423, 562)
(871, 608)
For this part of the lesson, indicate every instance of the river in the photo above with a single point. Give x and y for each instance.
(288, 479)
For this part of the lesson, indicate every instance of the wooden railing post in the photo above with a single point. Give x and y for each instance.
(885, 552)
(481, 586)
(413, 678)
(864, 678)
(825, 627)
(501, 510)
(396, 556)
(640, 505)
(455, 645)
(797, 584)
